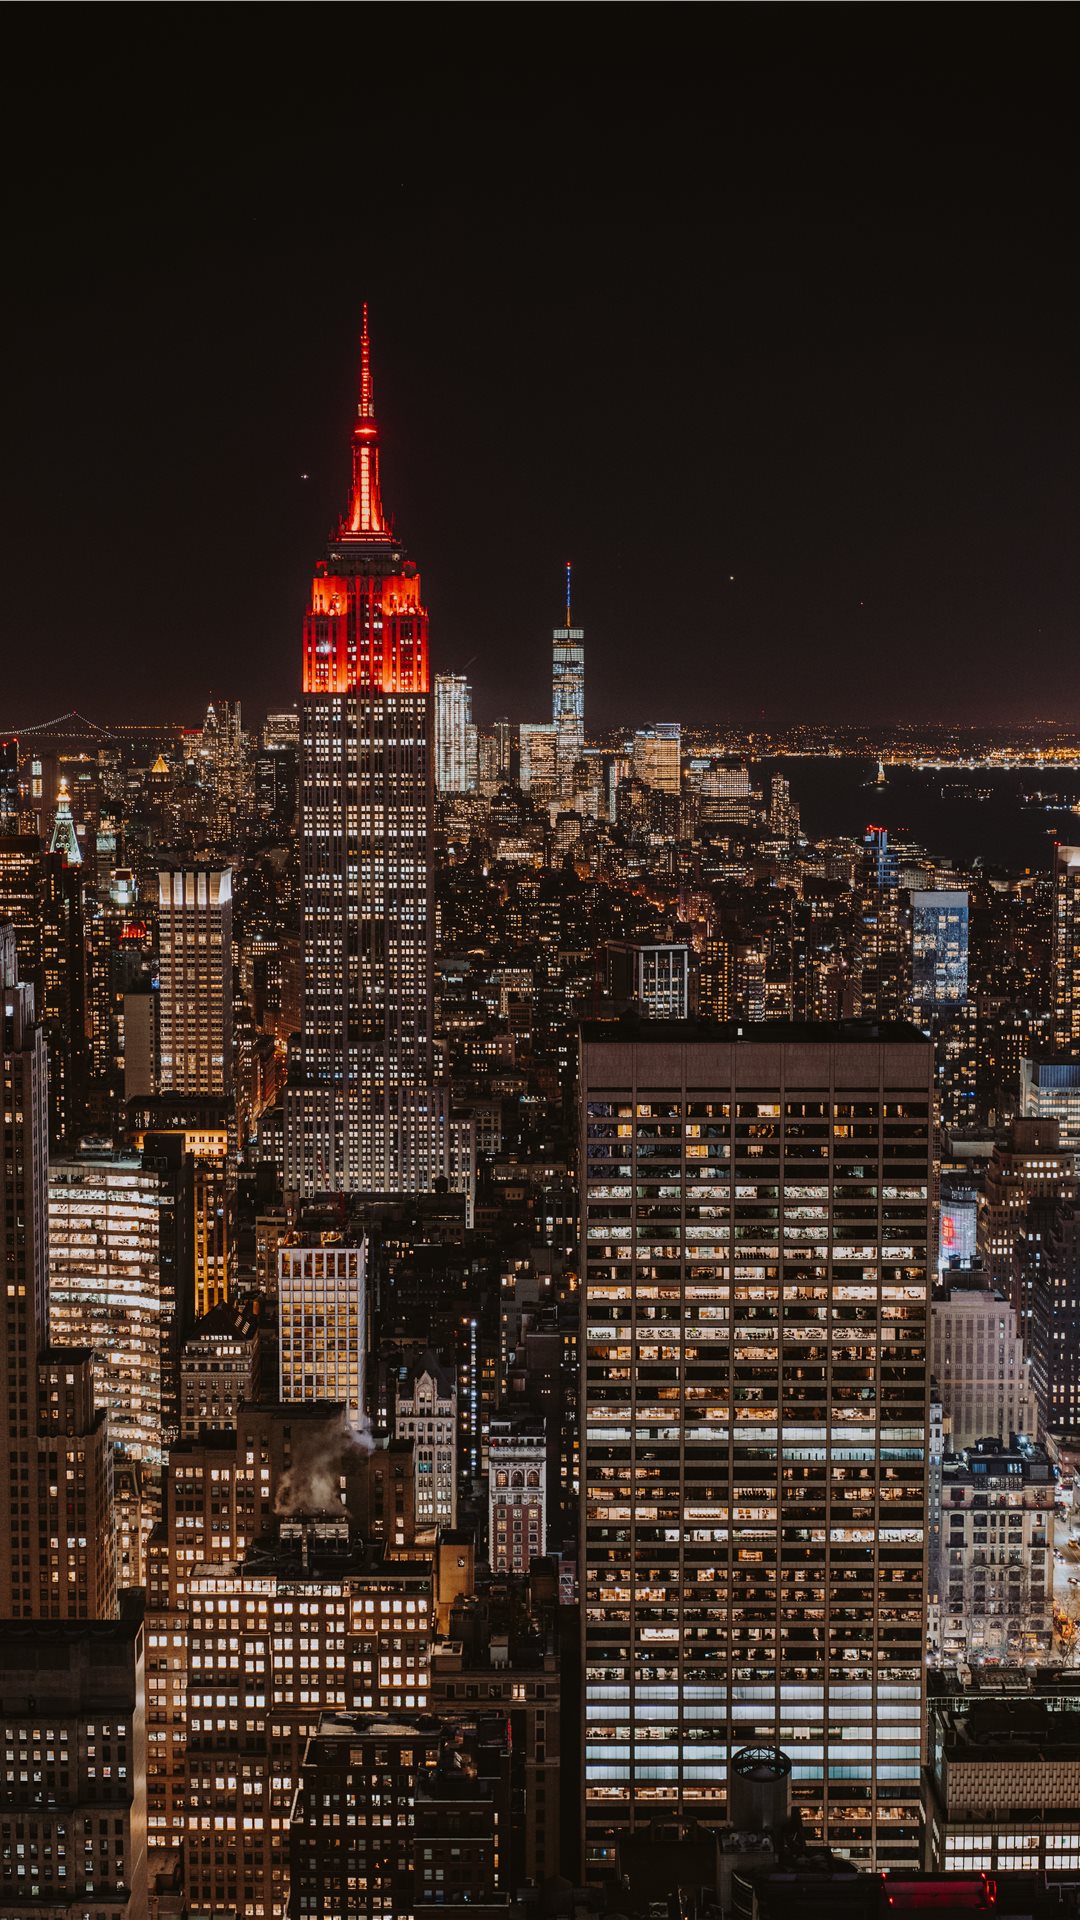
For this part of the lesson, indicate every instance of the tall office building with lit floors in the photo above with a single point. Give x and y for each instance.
(362, 1110)
(754, 1379)
(72, 1736)
(58, 1560)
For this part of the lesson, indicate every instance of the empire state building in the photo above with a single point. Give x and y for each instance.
(362, 1111)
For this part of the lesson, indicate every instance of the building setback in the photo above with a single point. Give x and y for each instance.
(754, 1249)
(362, 1110)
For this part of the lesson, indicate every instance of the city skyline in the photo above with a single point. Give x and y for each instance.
(540, 1148)
(843, 394)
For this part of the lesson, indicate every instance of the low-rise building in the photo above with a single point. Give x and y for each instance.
(1003, 1787)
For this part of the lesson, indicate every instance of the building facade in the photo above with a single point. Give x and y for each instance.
(455, 735)
(195, 997)
(977, 1360)
(121, 1285)
(1065, 957)
(59, 1560)
(73, 1769)
(651, 977)
(755, 1241)
(939, 949)
(425, 1412)
(997, 1542)
(322, 1324)
(517, 1491)
(1050, 1090)
(362, 1111)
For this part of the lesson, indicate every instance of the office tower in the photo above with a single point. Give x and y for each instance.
(1027, 1168)
(755, 1240)
(203, 1123)
(20, 897)
(939, 943)
(568, 673)
(783, 811)
(1065, 956)
(73, 1759)
(714, 977)
(939, 996)
(538, 749)
(226, 767)
(220, 1496)
(121, 1288)
(997, 1538)
(352, 1832)
(1050, 1090)
(455, 734)
(425, 1413)
(883, 863)
(650, 977)
(362, 1110)
(64, 839)
(195, 999)
(121, 1002)
(1050, 1262)
(55, 1471)
(324, 1624)
(9, 787)
(977, 1362)
(656, 755)
(219, 1370)
(884, 953)
(322, 1324)
(568, 696)
(517, 1491)
(61, 1000)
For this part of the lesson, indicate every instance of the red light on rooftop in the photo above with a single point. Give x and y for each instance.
(364, 629)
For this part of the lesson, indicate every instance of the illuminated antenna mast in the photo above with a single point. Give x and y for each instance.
(365, 512)
(367, 410)
(568, 596)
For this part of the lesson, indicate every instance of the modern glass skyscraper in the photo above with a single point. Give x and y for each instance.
(568, 672)
(756, 1293)
(361, 1111)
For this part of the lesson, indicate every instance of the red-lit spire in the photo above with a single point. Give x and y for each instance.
(365, 512)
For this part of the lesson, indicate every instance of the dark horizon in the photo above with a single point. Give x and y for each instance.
(781, 358)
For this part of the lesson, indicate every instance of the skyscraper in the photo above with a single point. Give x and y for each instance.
(322, 1324)
(939, 995)
(568, 671)
(455, 734)
(568, 695)
(1065, 970)
(657, 756)
(756, 1298)
(939, 946)
(55, 1483)
(195, 907)
(362, 1111)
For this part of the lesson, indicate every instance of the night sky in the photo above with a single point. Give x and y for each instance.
(679, 292)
